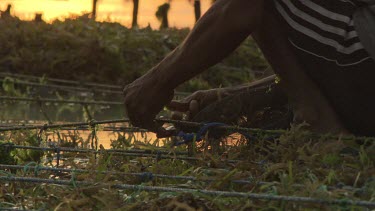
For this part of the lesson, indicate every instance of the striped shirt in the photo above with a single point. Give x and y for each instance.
(324, 29)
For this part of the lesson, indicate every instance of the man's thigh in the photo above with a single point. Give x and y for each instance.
(347, 89)
(328, 48)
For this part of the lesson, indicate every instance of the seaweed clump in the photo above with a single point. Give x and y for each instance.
(79, 48)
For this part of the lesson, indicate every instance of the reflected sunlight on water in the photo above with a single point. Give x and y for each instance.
(105, 138)
(180, 15)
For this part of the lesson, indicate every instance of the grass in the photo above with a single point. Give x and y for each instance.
(301, 166)
(294, 164)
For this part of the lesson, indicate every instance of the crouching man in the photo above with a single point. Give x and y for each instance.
(322, 50)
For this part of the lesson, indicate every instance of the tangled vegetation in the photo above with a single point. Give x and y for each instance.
(81, 49)
(295, 164)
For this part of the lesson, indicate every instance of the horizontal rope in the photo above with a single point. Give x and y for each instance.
(52, 126)
(62, 87)
(11, 209)
(48, 100)
(257, 131)
(119, 129)
(161, 176)
(108, 129)
(259, 196)
(87, 128)
(195, 125)
(71, 82)
(155, 154)
(176, 122)
(78, 85)
(132, 152)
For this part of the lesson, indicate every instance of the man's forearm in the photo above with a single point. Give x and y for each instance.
(216, 35)
(251, 86)
(256, 85)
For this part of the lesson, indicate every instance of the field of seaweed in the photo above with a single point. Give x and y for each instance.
(84, 50)
(65, 142)
(49, 165)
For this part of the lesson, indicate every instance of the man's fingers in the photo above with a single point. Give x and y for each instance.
(133, 119)
(178, 106)
(145, 122)
(177, 116)
(190, 109)
(193, 108)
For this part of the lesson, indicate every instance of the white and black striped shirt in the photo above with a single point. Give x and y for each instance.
(324, 28)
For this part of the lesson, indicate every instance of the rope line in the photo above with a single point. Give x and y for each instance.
(114, 129)
(258, 131)
(149, 176)
(184, 124)
(51, 126)
(260, 196)
(78, 85)
(109, 151)
(132, 152)
(11, 209)
(49, 100)
(62, 87)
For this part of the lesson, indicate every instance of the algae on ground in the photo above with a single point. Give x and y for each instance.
(81, 49)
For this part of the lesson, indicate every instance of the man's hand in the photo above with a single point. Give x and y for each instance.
(218, 33)
(144, 98)
(196, 102)
(199, 100)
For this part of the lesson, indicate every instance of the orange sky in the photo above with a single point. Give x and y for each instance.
(181, 13)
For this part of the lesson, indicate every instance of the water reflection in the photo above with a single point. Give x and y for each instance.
(181, 12)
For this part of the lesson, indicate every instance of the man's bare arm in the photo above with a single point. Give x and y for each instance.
(216, 35)
(221, 30)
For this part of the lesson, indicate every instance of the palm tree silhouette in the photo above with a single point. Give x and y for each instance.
(94, 6)
(6, 13)
(135, 13)
(162, 15)
(197, 9)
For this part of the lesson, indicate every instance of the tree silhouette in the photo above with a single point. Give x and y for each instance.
(197, 9)
(162, 15)
(94, 6)
(38, 17)
(135, 13)
(6, 13)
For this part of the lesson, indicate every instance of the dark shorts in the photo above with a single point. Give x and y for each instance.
(326, 43)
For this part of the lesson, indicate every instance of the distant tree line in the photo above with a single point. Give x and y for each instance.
(161, 13)
(7, 14)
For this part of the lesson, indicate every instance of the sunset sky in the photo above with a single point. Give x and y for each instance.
(180, 15)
